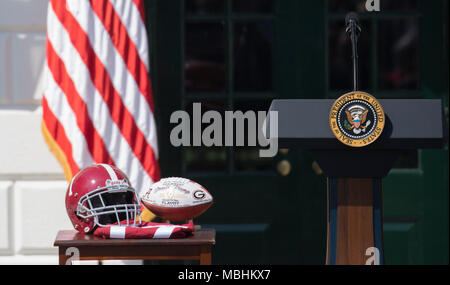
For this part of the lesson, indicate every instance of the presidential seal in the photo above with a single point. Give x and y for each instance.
(357, 119)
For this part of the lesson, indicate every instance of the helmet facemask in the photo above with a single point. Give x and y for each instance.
(111, 205)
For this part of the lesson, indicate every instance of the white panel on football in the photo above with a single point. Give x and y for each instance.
(29, 14)
(24, 153)
(5, 226)
(5, 96)
(40, 213)
(28, 55)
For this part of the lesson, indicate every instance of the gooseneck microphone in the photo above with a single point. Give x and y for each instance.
(353, 29)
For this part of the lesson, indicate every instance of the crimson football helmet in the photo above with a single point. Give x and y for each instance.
(101, 195)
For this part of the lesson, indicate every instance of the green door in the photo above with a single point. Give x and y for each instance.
(239, 55)
(416, 196)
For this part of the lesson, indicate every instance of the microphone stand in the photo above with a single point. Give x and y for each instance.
(353, 29)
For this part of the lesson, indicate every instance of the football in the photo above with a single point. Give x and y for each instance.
(177, 199)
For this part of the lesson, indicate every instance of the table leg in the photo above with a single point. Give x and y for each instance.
(205, 255)
(62, 256)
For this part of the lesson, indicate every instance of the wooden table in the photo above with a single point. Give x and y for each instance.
(89, 247)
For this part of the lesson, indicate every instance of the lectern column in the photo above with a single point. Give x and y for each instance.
(355, 234)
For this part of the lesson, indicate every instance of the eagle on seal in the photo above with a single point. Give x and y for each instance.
(357, 117)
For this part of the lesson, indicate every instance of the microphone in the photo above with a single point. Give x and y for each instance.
(353, 30)
(352, 23)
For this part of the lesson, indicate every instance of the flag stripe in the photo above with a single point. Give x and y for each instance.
(121, 80)
(58, 135)
(98, 110)
(120, 114)
(95, 143)
(98, 102)
(123, 43)
(61, 110)
(130, 18)
(140, 5)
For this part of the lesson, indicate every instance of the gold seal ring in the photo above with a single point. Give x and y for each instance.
(357, 119)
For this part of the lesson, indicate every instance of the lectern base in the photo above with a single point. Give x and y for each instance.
(355, 227)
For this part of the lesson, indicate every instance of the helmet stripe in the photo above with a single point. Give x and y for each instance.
(111, 171)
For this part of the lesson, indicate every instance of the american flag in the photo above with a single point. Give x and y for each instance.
(98, 102)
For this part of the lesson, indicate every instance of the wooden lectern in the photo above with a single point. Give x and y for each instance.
(354, 175)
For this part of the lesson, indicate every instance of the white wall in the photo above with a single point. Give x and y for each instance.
(32, 184)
